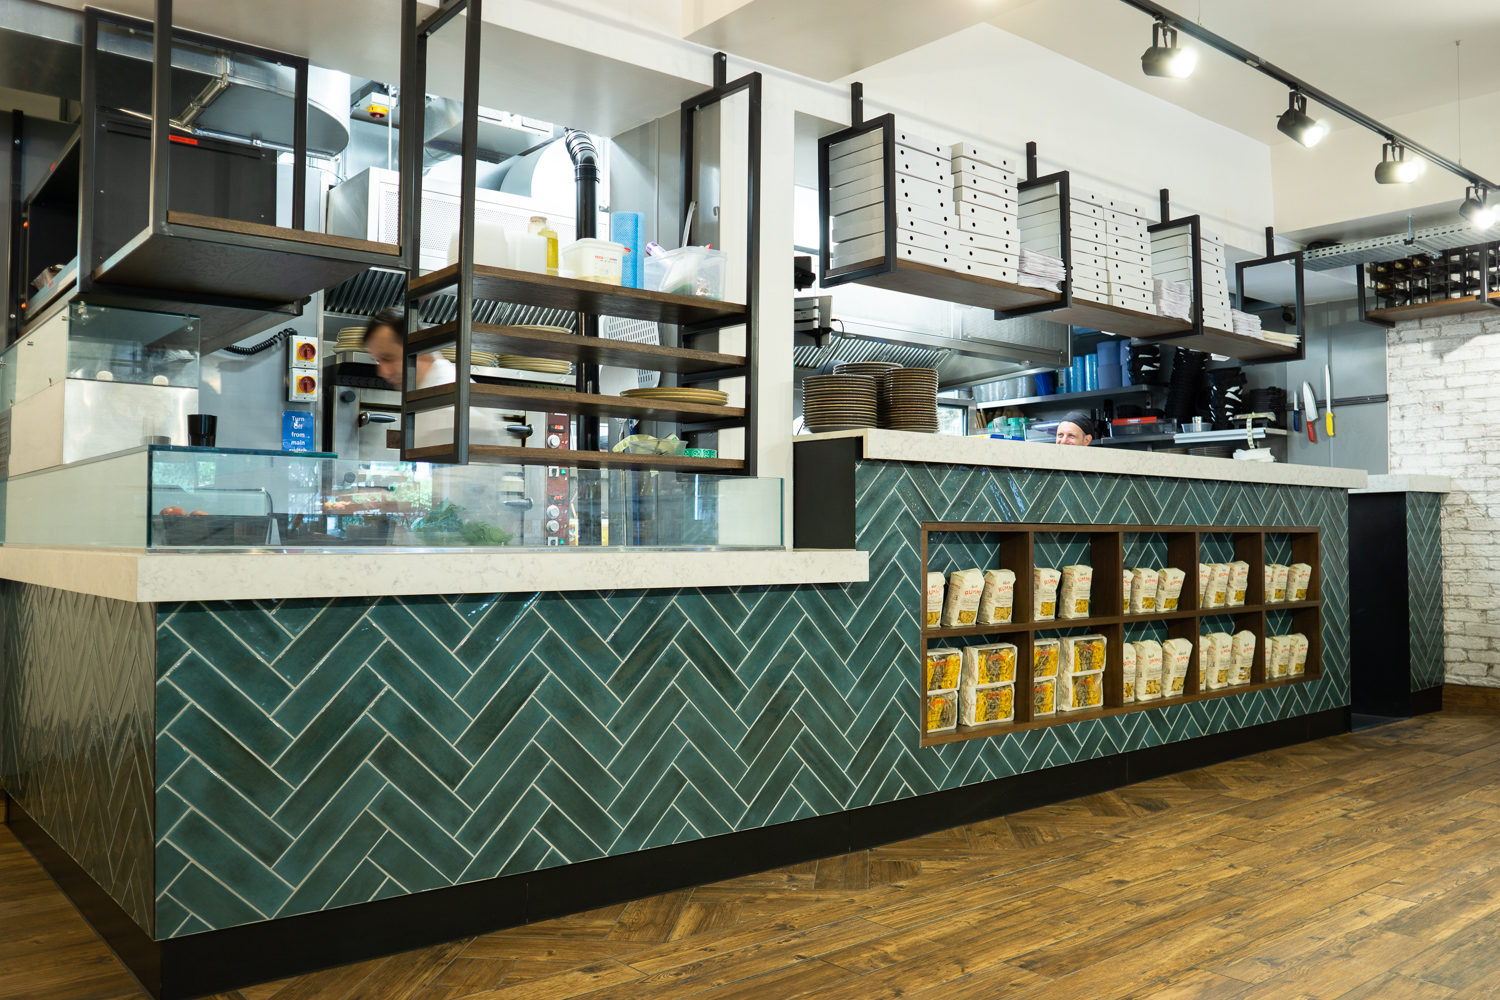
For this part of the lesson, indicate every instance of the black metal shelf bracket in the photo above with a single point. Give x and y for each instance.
(1295, 258)
(1194, 226)
(1062, 181)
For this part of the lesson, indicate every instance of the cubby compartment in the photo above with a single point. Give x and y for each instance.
(1109, 550)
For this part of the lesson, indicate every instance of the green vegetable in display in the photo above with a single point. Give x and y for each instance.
(447, 519)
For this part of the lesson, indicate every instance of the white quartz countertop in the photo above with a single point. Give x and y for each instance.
(139, 575)
(947, 449)
(1408, 483)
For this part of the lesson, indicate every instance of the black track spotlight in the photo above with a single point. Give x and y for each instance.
(1475, 209)
(1295, 123)
(1395, 168)
(1164, 57)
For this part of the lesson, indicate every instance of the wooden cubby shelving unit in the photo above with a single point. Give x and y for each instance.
(1016, 547)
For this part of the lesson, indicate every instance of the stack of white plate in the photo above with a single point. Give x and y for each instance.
(678, 394)
(524, 364)
(910, 401)
(477, 359)
(839, 402)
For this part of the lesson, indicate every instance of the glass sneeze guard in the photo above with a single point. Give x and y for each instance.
(175, 498)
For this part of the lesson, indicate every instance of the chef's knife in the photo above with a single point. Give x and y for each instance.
(1310, 411)
(1328, 398)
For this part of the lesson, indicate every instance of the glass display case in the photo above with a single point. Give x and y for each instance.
(174, 498)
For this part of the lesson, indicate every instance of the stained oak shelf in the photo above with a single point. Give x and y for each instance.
(1431, 310)
(1115, 319)
(1230, 344)
(562, 401)
(587, 459)
(1013, 547)
(586, 350)
(951, 286)
(574, 295)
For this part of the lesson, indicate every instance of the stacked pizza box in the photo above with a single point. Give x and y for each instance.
(1109, 246)
(955, 205)
(1172, 259)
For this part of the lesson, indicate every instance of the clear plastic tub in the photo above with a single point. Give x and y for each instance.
(594, 260)
(694, 271)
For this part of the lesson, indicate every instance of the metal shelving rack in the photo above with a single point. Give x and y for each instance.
(1484, 298)
(470, 282)
(238, 277)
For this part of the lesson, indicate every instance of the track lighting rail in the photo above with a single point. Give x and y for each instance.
(1224, 45)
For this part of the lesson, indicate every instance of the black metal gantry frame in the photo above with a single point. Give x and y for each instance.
(162, 37)
(1194, 226)
(1483, 299)
(1062, 181)
(415, 35)
(1295, 258)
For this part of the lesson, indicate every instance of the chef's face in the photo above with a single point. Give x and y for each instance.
(1071, 433)
(384, 346)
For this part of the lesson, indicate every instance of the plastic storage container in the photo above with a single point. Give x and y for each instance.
(694, 271)
(594, 260)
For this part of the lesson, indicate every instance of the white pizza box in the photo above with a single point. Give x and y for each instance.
(1090, 272)
(1183, 237)
(994, 200)
(853, 158)
(863, 248)
(983, 185)
(1129, 292)
(1096, 287)
(988, 241)
(840, 204)
(918, 192)
(1087, 295)
(913, 141)
(986, 155)
(965, 167)
(1127, 208)
(874, 137)
(1136, 229)
(915, 164)
(1138, 305)
(981, 218)
(859, 178)
(1129, 243)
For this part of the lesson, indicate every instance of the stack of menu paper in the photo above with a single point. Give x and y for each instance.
(1246, 324)
(1172, 299)
(1108, 242)
(1172, 259)
(954, 206)
(1040, 270)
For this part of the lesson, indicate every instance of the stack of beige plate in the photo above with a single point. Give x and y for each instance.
(545, 329)
(839, 402)
(477, 359)
(910, 401)
(351, 338)
(677, 394)
(524, 364)
(878, 370)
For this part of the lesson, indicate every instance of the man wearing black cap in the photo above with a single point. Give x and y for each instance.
(1076, 428)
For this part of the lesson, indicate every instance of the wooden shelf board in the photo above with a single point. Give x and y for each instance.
(1054, 624)
(1115, 319)
(950, 286)
(584, 459)
(1230, 344)
(1062, 718)
(1429, 310)
(561, 401)
(258, 264)
(589, 350)
(553, 292)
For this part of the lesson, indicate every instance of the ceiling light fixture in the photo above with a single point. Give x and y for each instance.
(1475, 209)
(1294, 121)
(1164, 57)
(1395, 168)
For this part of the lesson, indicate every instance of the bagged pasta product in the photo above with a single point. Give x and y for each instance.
(1218, 585)
(998, 598)
(1299, 580)
(1176, 657)
(1284, 657)
(1208, 652)
(987, 704)
(1082, 654)
(983, 665)
(1242, 658)
(1169, 588)
(1076, 692)
(1044, 597)
(1277, 657)
(1223, 665)
(1298, 666)
(934, 599)
(1125, 595)
(1044, 696)
(1143, 590)
(1239, 582)
(942, 670)
(1205, 577)
(1127, 661)
(1270, 584)
(940, 712)
(961, 606)
(1148, 669)
(1276, 593)
(1073, 593)
(1044, 658)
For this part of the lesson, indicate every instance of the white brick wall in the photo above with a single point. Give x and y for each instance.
(1444, 411)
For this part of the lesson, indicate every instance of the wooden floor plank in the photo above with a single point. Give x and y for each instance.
(1361, 867)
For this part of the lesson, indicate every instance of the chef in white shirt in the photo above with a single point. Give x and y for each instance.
(382, 341)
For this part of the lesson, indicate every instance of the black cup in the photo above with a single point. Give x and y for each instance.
(202, 429)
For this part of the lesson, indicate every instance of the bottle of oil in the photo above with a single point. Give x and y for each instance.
(540, 227)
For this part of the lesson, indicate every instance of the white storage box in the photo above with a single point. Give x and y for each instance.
(911, 191)
(874, 137)
(594, 260)
(921, 145)
(868, 173)
(967, 167)
(874, 151)
(839, 204)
